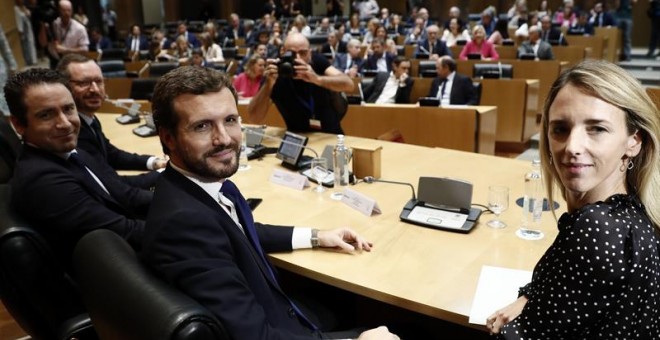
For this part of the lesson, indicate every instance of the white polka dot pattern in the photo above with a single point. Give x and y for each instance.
(598, 280)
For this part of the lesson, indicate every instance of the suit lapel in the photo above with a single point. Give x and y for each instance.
(200, 195)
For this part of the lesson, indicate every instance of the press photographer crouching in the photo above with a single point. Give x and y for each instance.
(305, 87)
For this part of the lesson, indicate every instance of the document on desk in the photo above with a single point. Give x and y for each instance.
(497, 288)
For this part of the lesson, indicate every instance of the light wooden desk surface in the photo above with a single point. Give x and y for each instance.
(424, 270)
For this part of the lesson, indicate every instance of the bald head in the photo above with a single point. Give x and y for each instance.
(298, 43)
(66, 10)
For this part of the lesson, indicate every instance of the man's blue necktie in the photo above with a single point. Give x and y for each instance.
(244, 213)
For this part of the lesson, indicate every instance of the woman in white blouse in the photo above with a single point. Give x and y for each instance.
(454, 33)
(212, 52)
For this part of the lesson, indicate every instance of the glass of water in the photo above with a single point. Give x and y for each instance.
(498, 201)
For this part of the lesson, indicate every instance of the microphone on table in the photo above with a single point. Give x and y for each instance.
(371, 179)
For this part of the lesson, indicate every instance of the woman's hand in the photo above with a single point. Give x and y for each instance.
(503, 316)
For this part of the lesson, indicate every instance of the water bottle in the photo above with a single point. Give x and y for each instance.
(533, 199)
(341, 156)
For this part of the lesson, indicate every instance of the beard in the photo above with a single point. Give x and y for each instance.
(207, 168)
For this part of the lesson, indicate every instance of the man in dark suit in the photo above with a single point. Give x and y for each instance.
(235, 29)
(86, 83)
(200, 234)
(549, 34)
(58, 188)
(432, 46)
(349, 62)
(392, 87)
(379, 60)
(600, 17)
(136, 41)
(182, 30)
(334, 45)
(541, 50)
(450, 87)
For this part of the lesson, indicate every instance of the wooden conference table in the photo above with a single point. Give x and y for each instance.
(424, 270)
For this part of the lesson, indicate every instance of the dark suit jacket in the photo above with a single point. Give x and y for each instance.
(341, 59)
(340, 49)
(554, 36)
(373, 91)
(52, 193)
(462, 91)
(192, 40)
(194, 245)
(144, 44)
(117, 159)
(371, 62)
(440, 48)
(544, 52)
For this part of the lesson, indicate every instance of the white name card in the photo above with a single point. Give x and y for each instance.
(360, 202)
(289, 179)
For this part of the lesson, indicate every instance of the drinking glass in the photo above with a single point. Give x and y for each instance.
(319, 172)
(498, 201)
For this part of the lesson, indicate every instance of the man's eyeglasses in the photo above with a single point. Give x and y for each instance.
(87, 83)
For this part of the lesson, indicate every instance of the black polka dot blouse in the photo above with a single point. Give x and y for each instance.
(598, 280)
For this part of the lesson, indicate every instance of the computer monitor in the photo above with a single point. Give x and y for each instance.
(291, 149)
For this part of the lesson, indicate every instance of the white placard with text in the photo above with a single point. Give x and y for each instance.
(289, 179)
(360, 202)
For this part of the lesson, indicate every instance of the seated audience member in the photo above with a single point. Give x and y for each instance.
(276, 37)
(59, 188)
(334, 45)
(199, 221)
(342, 35)
(211, 51)
(251, 33)
(247, 83)
(324, 27)
(599, 146)
(349, 63)
(384, 17)
(86, 85)
(390, 44)
(235, 29)
(581, 26)
(479, 45)
(489, 22)
(550, 34)
(392, 87)
(523, 30)
(455, 13)
(136, 41)
(455, 33)
(353, 26)
(197, 59)
(370, 33)
(432, 46)
(600, 17)
(416, 33)
(450, 87)
(566, 17)
(306, 99)
(299, 25)
(541, 50)
(182, 50)
(190, 38)
(379, 59)
(98, 42)
(396, 27)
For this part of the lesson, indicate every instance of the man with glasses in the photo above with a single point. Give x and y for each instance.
(86, 83)
(308, 99)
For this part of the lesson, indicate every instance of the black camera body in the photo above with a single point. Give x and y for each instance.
(285, 67)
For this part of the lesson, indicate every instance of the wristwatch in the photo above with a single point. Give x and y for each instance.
(315, 238)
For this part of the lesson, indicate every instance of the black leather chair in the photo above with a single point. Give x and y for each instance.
(125, 301)
(34, 288)
(158, 69)
(143, 88)
(113, 54)
(112, 68)
(427, 69)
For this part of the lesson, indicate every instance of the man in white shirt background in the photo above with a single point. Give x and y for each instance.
(392, 87)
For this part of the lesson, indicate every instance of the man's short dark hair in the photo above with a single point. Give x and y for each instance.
(184, 80)
(399, 59)
(18, 84)
(68, 59)
(449, 62)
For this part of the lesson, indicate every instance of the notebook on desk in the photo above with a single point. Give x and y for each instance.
(443, 203)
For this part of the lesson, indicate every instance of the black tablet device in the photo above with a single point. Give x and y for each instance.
(291, 149)
(474, 56)
(429, 101)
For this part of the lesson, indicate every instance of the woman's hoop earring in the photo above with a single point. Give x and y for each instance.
(631, 165)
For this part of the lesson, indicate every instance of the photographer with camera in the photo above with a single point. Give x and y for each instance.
(304, 86)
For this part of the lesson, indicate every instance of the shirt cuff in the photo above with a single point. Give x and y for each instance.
(301, 238)
(150, 162)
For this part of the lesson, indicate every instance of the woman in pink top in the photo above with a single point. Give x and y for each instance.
(479, 45)
(247, 83)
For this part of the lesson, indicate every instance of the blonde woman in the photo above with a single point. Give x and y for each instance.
(247, 83)
(600, 278)
(211, 51)
(479, 45)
